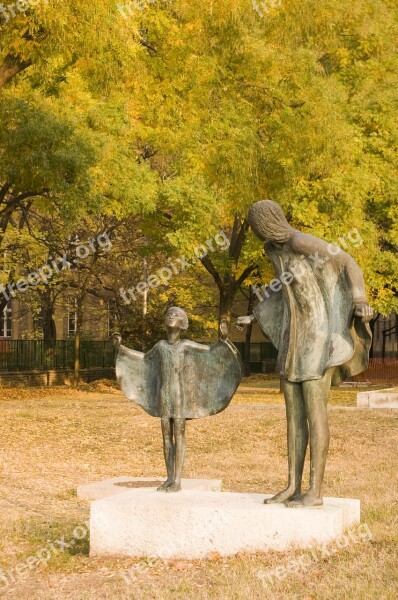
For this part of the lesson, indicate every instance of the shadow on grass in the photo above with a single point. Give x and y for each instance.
(53, 543)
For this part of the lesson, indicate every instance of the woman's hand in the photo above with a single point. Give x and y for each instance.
(362, 309)
(247, 320)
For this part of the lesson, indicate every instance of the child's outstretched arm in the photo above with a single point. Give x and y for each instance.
(196, 346)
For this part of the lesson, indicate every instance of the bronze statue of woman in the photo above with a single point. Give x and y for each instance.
(315, 313)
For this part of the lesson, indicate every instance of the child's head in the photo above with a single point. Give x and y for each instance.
(176, 318)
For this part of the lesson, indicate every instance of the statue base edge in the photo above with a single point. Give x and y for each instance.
(118, 485)
(194, 524)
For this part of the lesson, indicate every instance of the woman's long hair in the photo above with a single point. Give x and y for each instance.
(268, 221)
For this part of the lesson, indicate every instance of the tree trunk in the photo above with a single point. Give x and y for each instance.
(226, 302)
(372, 325)
(3, 304)
(48, 325)
(46, 317)
(145, 306)
(229, 282)
(396, 331)
(248, 336)
(79, 322)
(48, 328)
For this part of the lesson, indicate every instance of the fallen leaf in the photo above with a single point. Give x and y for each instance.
(180, 566)
(214, 556)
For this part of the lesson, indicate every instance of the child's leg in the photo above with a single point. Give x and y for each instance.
(179, 435)
(168, 452)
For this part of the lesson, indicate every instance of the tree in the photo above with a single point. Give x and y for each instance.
(247, 108)
(60, 136)
(197, 109)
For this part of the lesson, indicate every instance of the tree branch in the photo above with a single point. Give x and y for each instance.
(11, 204)
(244, 275)
(240, 240)
(11, 66)
(208, 265)
(234, 236)
(4, 190)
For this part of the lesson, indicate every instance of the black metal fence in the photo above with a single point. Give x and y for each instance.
(42, 355)
(262, 356)
(380, 370)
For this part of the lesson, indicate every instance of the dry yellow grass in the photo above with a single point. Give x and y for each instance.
(264, 389)
(53, 440)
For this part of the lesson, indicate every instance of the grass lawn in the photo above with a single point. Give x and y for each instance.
(52, 440)
(264, 389)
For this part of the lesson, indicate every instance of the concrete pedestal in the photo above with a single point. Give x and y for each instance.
(123, 484)
(192, 524)
(378, 399)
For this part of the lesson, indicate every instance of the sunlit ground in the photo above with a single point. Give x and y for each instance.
(52, 440)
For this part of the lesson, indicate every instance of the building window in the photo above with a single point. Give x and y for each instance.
(6, 322)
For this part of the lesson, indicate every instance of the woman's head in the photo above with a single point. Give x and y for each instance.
(177, 318)
(268, 221)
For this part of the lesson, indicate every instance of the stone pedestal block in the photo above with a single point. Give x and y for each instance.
(192, 524)
(378, 399)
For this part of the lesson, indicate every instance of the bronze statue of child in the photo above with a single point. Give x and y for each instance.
(178, 380)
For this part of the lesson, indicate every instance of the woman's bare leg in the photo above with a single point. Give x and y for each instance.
(316, 394)
(297, 440)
